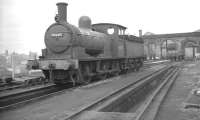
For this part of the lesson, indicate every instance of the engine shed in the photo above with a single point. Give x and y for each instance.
(159, 46)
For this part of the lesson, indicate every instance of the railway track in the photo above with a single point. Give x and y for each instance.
(148, 64)
(23, 85)
(11, 100)
(46, 93)
(27, 82)
(97, 104)
(106, 103)
(14, 98)
(150, 107)
(10, 87)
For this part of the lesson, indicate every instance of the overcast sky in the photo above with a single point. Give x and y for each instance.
(23, 22)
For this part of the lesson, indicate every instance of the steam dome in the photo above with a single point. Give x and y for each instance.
(85, 22)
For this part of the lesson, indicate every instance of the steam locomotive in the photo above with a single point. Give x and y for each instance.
(78, 54)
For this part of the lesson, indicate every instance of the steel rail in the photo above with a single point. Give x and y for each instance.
(144, 111)
(99, 102)
(11, 101)
(29, 95)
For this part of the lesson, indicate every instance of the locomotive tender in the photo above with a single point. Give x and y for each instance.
(77, 54)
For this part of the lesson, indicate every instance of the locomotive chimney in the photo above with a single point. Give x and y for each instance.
(62, 11)
(140, 33)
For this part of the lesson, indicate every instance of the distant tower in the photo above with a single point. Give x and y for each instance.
(6, 52)
(13, 65)
(140, 33)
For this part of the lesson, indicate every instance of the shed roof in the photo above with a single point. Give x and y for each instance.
(188, 34)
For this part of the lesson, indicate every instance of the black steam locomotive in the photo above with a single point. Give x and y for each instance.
(77, 54)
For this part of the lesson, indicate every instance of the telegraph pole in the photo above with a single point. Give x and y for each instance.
(13, 66)
(166, 50)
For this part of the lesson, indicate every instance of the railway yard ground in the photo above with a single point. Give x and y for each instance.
(112, 99)
(181, 102)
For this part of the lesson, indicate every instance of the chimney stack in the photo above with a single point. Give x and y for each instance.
(62, 11)
(140, 33)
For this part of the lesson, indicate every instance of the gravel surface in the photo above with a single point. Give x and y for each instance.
(61, 105)
(173, 106)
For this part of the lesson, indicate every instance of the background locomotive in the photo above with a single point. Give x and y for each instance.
(77, 54)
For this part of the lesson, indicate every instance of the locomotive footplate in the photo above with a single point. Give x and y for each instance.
(58, 64)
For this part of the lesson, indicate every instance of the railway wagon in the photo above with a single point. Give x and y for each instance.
(78, 54)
